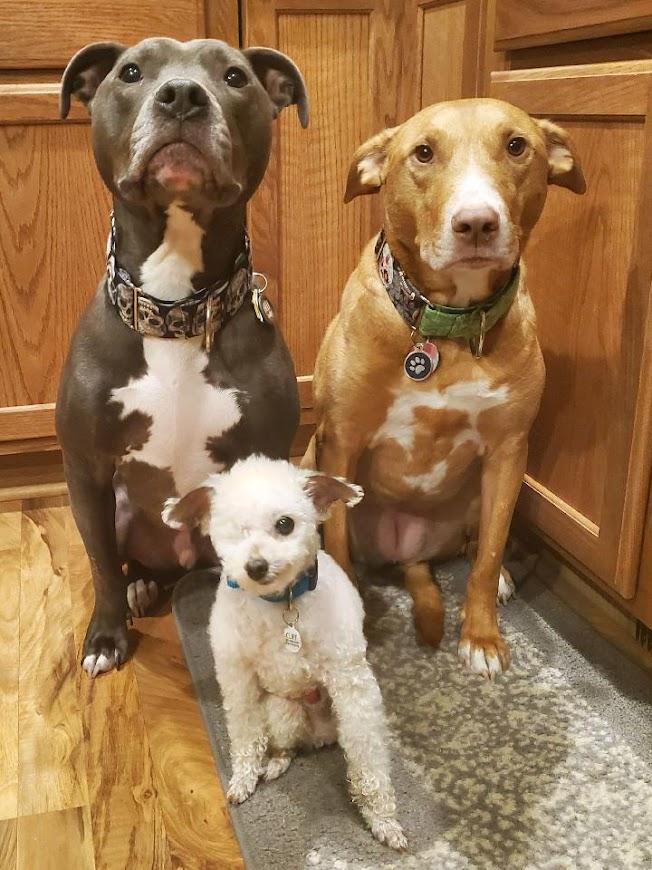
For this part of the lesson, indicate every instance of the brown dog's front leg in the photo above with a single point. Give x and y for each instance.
(481, 646)
(336, 460)
(93, 506)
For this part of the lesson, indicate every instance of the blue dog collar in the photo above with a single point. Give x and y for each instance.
(305, 582)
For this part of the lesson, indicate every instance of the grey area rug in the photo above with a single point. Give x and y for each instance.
(548, 768)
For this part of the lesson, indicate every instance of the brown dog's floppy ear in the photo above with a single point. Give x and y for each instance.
(189, 511)
(325, 490)
(281, 79)
(366, 173)
(564, 166)
(86, 71)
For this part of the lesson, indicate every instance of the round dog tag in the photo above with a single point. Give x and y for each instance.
(421, 361)
(292, 639)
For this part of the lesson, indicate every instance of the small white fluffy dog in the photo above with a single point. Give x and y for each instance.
(292, 668)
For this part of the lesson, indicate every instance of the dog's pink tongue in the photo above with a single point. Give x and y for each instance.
(178, 167)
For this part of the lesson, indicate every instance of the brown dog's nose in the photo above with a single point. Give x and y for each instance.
(257, 568)
(476, 224)
(181, 98)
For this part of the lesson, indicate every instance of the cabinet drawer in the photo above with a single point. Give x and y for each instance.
(46, 33)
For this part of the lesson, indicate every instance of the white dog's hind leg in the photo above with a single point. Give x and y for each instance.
(358, 706)
(506, 586)
(246, 724)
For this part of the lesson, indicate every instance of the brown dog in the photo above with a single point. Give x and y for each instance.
(430, 376)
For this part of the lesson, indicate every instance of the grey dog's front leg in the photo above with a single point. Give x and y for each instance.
(93, 505)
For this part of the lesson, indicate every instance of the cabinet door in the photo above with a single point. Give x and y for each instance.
(368, 65)
(54, 208)
(589, 269)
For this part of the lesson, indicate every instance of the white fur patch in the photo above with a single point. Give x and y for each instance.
(471, 397)
(167, 273)
(185, 409)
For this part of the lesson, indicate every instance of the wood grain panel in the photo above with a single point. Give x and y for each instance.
(522, 23)
(51, 751)
(331, 50)
(8, 844)
(590, 454)
(10, 533)
(127, 825)
(628, 46)
(67, 834)
(443, 37)
(54, 30)
(53, 224)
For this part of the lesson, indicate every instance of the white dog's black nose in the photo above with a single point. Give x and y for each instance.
(257, 568)
(181, 98)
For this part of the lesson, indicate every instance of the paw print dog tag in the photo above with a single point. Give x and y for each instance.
(421, 361)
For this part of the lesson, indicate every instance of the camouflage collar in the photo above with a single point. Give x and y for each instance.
(204, 312)
(442, 321)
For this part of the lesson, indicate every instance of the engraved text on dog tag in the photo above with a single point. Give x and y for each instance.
(292, 639)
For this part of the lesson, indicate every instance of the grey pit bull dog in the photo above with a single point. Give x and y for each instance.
(173, 371)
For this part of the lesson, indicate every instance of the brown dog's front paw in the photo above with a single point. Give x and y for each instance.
(485, 655)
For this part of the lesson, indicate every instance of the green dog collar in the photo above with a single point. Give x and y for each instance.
(442, 321)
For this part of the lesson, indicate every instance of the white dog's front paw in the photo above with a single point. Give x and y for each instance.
(389, 831)
(242, 786)
(276, 766)
(506, 587)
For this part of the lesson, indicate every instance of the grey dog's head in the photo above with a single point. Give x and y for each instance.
(187, 121)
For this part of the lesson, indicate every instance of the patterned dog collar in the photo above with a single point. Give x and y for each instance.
(305, 582)
(202, 313)
(441, 321)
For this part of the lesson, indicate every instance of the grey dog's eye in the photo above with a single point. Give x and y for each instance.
(235, 78)
(131, 73)
(284, 525)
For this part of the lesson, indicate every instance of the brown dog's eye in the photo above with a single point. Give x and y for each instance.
(235, 78)
(285, 525)
(423, 153)
(516, 146)
(131, 73)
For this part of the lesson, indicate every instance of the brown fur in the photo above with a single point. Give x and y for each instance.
(359, 370)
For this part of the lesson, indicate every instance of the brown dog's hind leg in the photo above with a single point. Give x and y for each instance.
(427, 601)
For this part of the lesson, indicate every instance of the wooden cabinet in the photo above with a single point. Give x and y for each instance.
(590, 270)
(368, 64)
(54, 209)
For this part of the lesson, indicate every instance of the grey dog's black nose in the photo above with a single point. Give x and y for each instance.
(257, 568)
(181, 98)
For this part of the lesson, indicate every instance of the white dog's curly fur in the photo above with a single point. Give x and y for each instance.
(269, 692)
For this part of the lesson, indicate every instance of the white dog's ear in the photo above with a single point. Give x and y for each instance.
(324, 490)
(189, 511)
(564, 166)
(367, 170)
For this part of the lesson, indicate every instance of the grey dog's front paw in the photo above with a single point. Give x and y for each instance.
(106, 644)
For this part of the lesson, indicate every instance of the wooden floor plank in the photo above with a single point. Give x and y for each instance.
(52, 772)
(10, 529)
(8, 844)
(55, 841)
(128, 829)
(193, 804)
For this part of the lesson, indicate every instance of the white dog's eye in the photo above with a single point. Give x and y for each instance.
(284, 525)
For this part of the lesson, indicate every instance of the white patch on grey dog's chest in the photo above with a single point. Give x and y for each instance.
(185, 409)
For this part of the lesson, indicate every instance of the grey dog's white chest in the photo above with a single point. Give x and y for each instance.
(185, 410)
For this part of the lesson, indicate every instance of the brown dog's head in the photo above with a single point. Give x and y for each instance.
(465, 183)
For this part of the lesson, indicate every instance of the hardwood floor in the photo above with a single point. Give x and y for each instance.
(112, 773)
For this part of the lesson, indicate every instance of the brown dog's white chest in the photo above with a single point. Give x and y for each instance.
(430, 437)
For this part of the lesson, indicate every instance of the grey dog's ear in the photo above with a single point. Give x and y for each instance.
(86, 71)
(281, 79)
(324, 490)
(190, 511)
